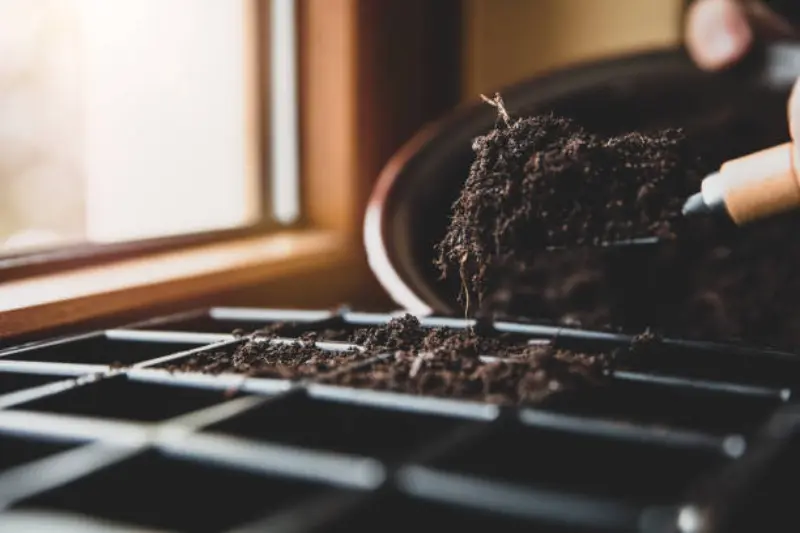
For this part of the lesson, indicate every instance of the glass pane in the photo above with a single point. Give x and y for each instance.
(126, 119)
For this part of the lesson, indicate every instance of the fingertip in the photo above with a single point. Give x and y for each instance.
(793, 111)
(717, 33)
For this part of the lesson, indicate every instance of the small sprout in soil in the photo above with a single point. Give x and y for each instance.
(477, 365)
(645, 340)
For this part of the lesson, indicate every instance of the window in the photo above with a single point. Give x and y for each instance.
(132, 120)
(300, 103)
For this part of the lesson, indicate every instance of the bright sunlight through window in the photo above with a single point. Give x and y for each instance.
(131, 119)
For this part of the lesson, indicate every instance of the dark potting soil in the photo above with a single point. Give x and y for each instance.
(406, 333)
(544, 181)
(714, 281)
(401, 333)
(645, 341)
(448, 363)
(260, 358)
(443, 362)
(326, 335)
(543, 373)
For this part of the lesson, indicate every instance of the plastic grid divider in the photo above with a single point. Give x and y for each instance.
(225, 432)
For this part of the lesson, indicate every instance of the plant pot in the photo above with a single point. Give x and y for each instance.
(738, 111)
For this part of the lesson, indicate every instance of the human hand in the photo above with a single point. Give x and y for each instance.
(720, 32)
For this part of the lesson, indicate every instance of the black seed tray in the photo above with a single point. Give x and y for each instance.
(131, 427)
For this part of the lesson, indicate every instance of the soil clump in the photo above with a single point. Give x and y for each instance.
(466, 365)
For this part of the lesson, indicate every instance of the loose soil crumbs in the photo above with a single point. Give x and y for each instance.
(714, 282)
(447, 363)
(444, 362)
(544, 181)
(645, 340)
(260, 358)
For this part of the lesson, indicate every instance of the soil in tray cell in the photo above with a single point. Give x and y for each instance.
(449, 364)
(100, 350)
(265, 359)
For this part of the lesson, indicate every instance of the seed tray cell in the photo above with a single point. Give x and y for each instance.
(385, 375)
(337, 328)
(755, 494)
(18, 381)
(510, 338)
(733, 362)
(719, 362)
(665, 416)
(401, 514)
(99, 350)
(122, 398)
(641, 398)
(202, 323)
(642, 473)
(16, 451)
(209, 324)
(150, 490)
(275, 359)
(339, 426)
(661, 404)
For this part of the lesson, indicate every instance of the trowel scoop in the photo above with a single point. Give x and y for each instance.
(638, 243)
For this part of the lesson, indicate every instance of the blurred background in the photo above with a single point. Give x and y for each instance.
(133, 119)
(113, 112)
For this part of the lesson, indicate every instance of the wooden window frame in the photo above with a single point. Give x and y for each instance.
(25, 264)
(364, 91)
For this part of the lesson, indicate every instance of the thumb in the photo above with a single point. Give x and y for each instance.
(718, 33)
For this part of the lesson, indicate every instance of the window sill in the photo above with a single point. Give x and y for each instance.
(57, 300)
